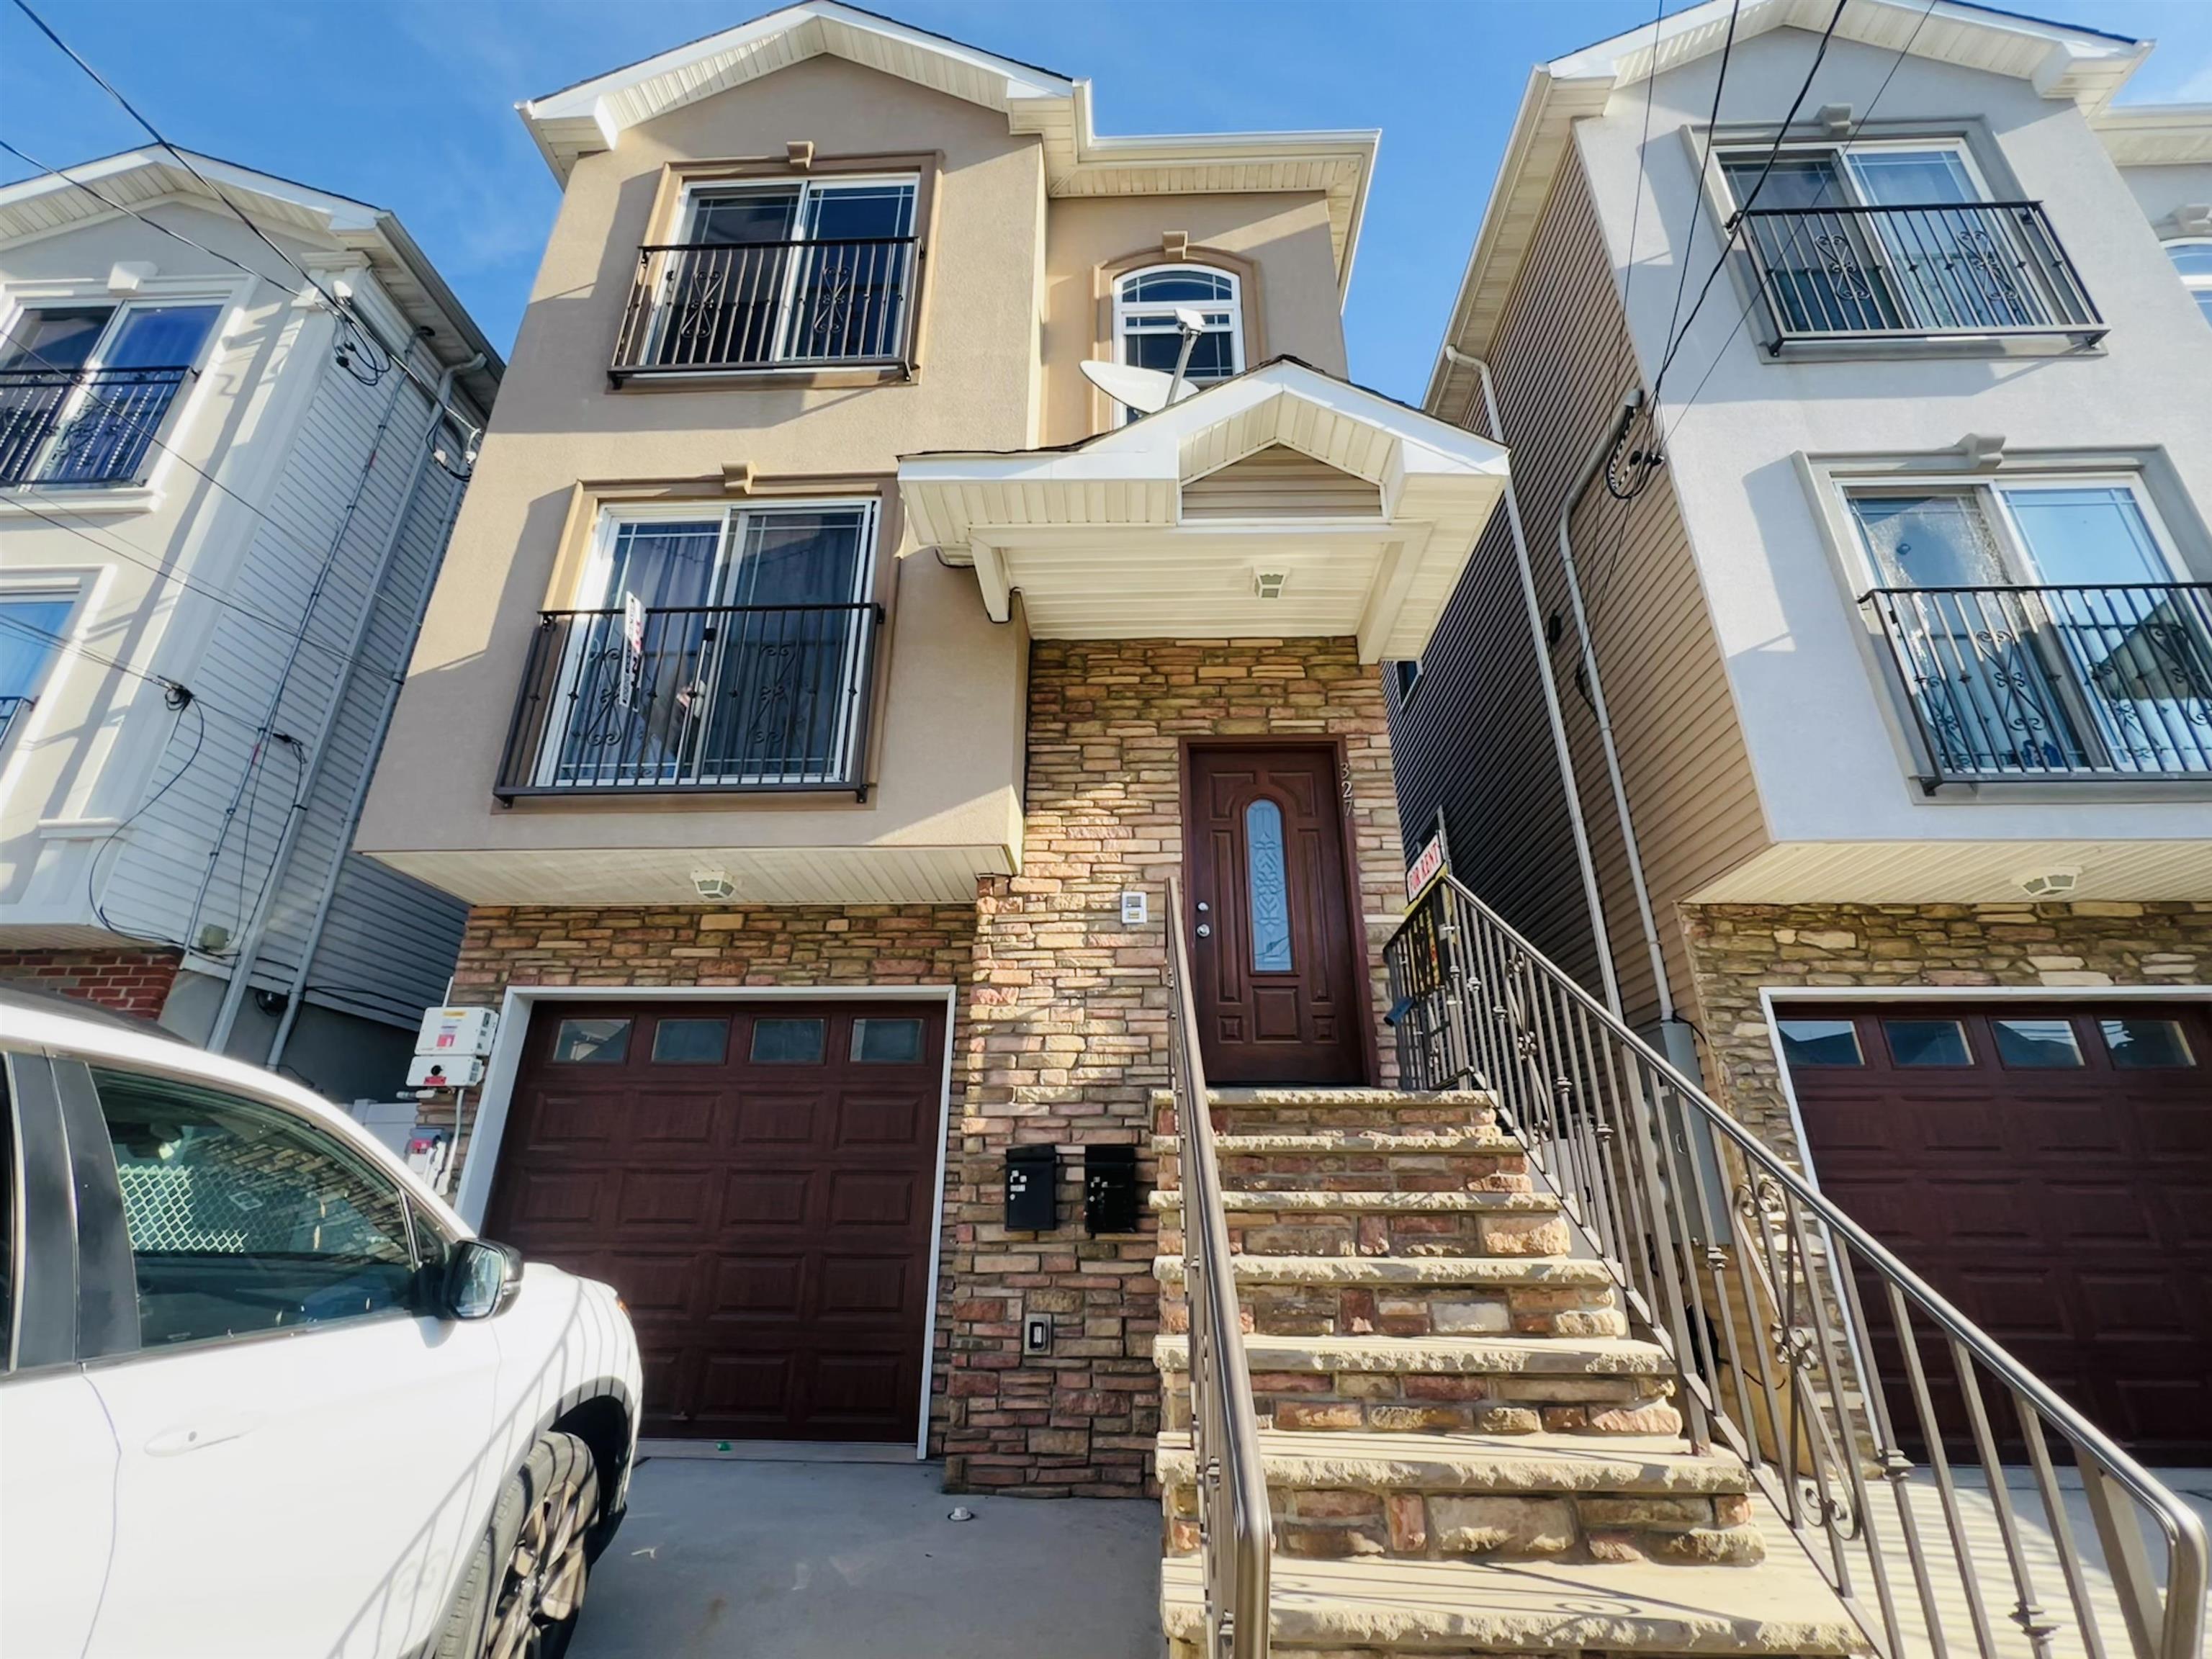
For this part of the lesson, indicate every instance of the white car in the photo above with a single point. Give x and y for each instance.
(265, 1394)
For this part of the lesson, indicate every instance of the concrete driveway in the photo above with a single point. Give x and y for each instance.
(722, 1560)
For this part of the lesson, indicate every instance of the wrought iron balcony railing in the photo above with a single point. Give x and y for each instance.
(60, 426)
(2017, 684)
(699, 308)
(1940, 271)
(734, 699)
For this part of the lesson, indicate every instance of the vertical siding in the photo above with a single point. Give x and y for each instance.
(1473, 738)
(148, 886)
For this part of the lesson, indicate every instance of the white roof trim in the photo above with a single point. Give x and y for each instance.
(48, 202)
(2156, 135)
(592, 116)
(2060, 61)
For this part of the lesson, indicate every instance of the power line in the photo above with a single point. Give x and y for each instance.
(1636, 214)
(32, 630)
(1704, 160)
(1735, 219)
(183, 702)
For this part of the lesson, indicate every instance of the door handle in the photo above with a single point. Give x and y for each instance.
(1205, 930)
(197, 1436)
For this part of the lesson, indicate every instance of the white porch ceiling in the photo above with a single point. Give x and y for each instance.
(1094, 539)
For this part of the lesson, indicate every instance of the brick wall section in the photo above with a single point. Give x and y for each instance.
(1067, 1035)
(1736, 949)
(130, 981)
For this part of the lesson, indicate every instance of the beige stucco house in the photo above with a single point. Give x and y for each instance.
(828, 675)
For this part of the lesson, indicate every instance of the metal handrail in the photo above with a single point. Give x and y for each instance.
(711, 307)
(2053, 682)
(705, 699)
(1760, 1290)
(1236, 1529)
(1912, 271)
(108, 431)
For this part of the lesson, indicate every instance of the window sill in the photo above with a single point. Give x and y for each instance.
(2118, 790)
(738, 379)
(1845, 349)
(75, 501)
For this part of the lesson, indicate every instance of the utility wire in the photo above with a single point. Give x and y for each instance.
(184, 702)
(1704, 160)
(1636, 215)
(31, 630)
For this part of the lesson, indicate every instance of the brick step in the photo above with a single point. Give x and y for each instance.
(1447, 1160)
(1443, 1384)
(1526, 1497)
(1462, 1609)
(1269, 1111)
(1523, 1223)
(1411, 1296)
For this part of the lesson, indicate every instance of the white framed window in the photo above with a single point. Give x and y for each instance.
(783, 272)
(714, 647)
(87, 384)
(1897, 237)
(1146, 333)
(34, 629)
(2044, 625)
(2192, 263)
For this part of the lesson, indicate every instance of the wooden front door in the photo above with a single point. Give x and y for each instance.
(758, 1180)
(1275, 943)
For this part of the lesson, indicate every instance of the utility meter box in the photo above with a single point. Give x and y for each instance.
(445, 1072)
(457, 1031)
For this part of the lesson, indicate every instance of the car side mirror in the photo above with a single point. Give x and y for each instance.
(481, 1279)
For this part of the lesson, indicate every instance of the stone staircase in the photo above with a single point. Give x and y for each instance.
(1468, 1449)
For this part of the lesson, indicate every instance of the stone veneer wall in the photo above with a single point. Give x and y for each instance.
(1737, 949)
(1068, 1030)
(130, 981)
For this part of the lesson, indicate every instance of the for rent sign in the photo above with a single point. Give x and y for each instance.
(1428, 864)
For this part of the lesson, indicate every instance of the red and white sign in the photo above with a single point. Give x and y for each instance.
(1428, 864)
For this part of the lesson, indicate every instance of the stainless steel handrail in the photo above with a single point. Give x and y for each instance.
(1761, 1289)
(1236, 1531)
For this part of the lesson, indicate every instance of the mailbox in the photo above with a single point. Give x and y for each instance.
(1109, 1189)
(1032, 1188)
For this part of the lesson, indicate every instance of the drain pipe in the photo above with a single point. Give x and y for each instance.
(1561, 751)
(296, 992)
(1676, 1037)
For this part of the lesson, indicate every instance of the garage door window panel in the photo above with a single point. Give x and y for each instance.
(243, 1220)
(1820, 1042)
(691, 1042)
(887, 1041)
(591, 1042)
(1929, 1042)
(787, 1041)
(2146, 1045)
(2038, 1045)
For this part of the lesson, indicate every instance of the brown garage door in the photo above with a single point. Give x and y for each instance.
(2049, 1170)
(758, 1181)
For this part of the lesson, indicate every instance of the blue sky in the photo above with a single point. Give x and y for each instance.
(409, 103)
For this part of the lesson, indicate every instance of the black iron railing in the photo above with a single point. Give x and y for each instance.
(96, 426)
(13, 709)
(729, 699)
(1955, 1502)
(2054, 682)
(1983, 268)
(700, 307)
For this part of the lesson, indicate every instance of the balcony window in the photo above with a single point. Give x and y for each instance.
(776, 275)
(1900, 240)
(84, 389)
(2041, 630)
(2192, 263)
(31, 629)
(718, 649)
(1147, 333)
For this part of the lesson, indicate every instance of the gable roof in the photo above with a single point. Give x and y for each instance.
(592, 116)
(139, 177)
(2060, 60)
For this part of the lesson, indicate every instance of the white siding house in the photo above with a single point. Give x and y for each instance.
(212, 568)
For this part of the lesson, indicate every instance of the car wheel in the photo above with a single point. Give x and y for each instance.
(525, 1584)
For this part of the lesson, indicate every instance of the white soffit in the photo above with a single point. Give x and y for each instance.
(1093, 537)
(592, 116)
(2087, 66)
(2156, 135)
(139, 178)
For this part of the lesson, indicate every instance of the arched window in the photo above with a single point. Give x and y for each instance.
(2193, 259)
(1144, 331)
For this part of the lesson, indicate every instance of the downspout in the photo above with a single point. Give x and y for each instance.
(1674, 1036)
(296, 992)
(1557, 716)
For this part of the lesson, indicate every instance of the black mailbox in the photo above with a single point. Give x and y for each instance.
(1032, 1188)
(1109, 1189)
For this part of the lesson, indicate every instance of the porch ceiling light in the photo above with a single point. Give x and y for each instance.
(713, 886)
(1269, 584)
(2054, 882)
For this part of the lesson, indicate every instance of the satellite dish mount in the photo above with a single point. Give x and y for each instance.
(1146, 390)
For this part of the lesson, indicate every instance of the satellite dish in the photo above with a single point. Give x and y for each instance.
(1143, 390)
